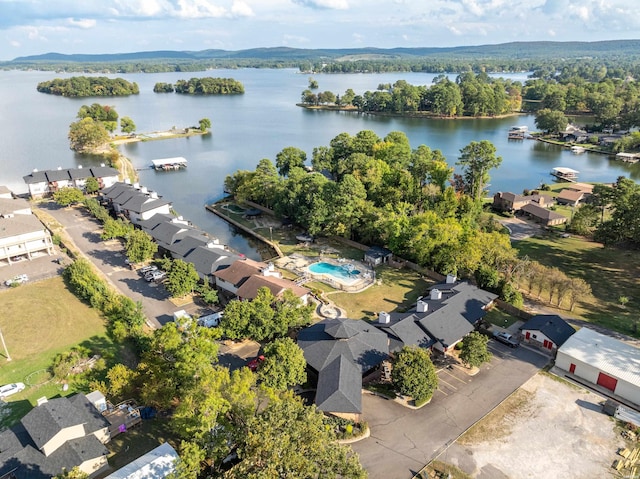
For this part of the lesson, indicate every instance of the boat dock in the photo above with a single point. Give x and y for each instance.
(628, 157)
(518, 132)
(169, 164)
(565, 174)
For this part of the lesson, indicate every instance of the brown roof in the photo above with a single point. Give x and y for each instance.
(570, 195)
(542, 213)
(586, 187)
(277, 286)
(240, 271)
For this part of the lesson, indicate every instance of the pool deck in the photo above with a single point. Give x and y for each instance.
(299, 264)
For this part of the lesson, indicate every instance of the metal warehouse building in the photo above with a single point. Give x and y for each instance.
(602, 360)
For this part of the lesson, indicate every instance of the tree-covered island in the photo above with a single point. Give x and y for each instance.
(202, 86)
(88, 86)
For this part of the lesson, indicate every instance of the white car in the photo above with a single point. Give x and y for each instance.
(155, 275)
(9, 389)
(211, 320)
(21, 278)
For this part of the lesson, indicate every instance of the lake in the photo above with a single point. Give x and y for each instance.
(256, 125)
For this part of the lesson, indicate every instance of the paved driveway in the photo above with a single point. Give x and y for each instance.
(403, 440)
(520, 229)
(109, 257)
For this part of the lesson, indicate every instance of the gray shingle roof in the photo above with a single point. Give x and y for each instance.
(45, 421)
(367, 348)
(552, 326)
(447, 327)
(35, 177)
(340, 387)
(18, 225)
(57, 175)
(208, 260)
(80, 173)
(409, 332)
(102, 171)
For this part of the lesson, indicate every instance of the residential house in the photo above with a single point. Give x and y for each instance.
(546, 331)
(10, 207)
(230, 279)
(543, 215)
(58, 434)
(612, 366)
(574, 134)
(572, 197)
(512, 202)
(341, 351)
(208, 260)
(79, 177)
(249, 289)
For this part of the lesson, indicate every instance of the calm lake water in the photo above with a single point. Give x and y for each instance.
(253, 126)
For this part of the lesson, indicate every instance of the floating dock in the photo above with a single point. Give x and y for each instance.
(169, 164)
(628, 157)
(518, 132)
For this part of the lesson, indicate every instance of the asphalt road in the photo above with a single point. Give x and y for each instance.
(108, 257)
(520, 229)
(404, 440)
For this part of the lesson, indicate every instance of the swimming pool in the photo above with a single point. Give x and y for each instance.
(342, 272)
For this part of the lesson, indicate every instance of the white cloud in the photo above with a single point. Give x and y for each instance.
(241, 9)
(83, 23)
(294, 39)
(324, 4)
(14, 43)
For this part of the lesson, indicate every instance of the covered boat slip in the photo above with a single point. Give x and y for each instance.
(565, 174)
(167, 164)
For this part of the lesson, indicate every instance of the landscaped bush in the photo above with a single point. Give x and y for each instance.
(345, 428)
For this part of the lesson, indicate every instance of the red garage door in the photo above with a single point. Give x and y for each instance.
(607, 382)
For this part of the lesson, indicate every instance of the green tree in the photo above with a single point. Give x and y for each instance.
(112, 229)
(127, 125)
(68, 196)
(205, 124)
(122, 381)
(476, 159)
(313, 84)
(74, 473)
(284, 365)
(182, 278)
(289, 439)
(86, 134)
(551, 120)
(91, 186)
(140, 246)
(413, 373)
(474, 349)
(290, 157)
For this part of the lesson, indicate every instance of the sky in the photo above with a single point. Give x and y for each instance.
(31, 27)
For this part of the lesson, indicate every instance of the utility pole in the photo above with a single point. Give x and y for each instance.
(5, 346)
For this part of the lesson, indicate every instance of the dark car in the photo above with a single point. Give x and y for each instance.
(255, 363)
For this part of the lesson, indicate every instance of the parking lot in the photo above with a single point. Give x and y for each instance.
(403, 440)
(42, 266)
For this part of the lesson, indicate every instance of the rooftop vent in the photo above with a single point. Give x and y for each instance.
(384, 317)
(451, 278)
(41, 401)
(436, 294)
(421, 306)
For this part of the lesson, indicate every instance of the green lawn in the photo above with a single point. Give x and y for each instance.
(498, 317)
(40, 320)
(611, 272)
(398, 290)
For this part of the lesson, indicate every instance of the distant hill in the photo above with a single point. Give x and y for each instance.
(513, 50)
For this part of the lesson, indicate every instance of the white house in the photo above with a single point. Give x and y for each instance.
(604, 361)
(42, 183)
(546, 331)
(135, 202)
(156, 464)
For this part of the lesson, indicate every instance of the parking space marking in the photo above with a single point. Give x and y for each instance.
(451, 386)
(456, 377)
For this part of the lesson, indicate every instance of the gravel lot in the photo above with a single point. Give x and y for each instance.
(556, 431)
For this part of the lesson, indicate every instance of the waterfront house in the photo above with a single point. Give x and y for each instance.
(572, 197)
(511, 202)
(134, 202)
(543, 215)
(46, 182)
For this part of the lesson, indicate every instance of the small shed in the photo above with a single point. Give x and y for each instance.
(546, 331)
(611, 365)
(156, 464)
(377, 255)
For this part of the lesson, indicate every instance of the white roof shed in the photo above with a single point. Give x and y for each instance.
(156, 464)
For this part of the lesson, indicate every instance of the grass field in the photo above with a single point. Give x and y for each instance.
(611, 272)
(40, 320)
(398, 290)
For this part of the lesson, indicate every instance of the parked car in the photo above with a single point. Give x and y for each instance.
(21, 278)
(9, 389)
(255, 363)
(506, 338)
(155, 275)
(147, 269)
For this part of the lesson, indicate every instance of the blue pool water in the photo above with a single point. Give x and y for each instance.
(340, 272)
